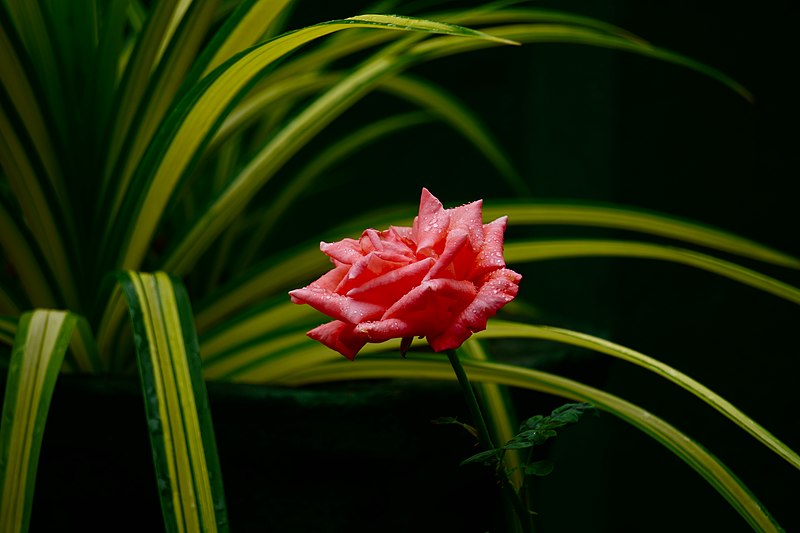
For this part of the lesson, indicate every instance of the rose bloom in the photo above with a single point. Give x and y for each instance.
(442, 278)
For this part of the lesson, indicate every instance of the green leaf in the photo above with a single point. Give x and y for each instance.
(436, 367)
(40, 343)
(39, 208)
(30, 21)
(447, 108)
(8, 329)
(572, 248)
(537, 429)
(19, 253)
(539, 468)
(566, 33)
(329, 157)
(451, 421)
(486, 458)
(178, 415)
(194, 120)
(83, 348)
(502, 329)
(284, 144)
(22, 97)
(529, 438)
(637, 220)
(133, 86)
(569, 413)
(245, 26)
(179, 49)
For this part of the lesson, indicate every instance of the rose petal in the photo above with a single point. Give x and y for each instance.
(394, 244)
(368, 268)
(391, 328)
(389, 287)
(370, 241)
(421, 298)
(339, 336)
(331, 279)
(456, 240)
(500, 288)
(469, 218)
(401, 233)
(346, 251)
(491, 255)
(430, 226)
(336, 305)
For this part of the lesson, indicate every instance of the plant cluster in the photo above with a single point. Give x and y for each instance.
(152, 197)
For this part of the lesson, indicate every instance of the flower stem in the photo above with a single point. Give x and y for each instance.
(485, 439)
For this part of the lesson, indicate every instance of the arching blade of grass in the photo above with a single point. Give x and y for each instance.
(22, 97)
(38, 207)
(502, 329)
(180, 142)
(271, 357)
(286, 143)
(19, 254)
(303, 265)
(40, 343)
(447, 107)
(178, 415)
(31, 26)
(275, 316)
(83, 355)
(438, 102)
(435, 367)
(8, 328)
(520, 15)
(326, 159)
(562, 33)
(563, 249)
(133, 85)
(250, 20)
(165, 81)
(8, 306)
(638, 220)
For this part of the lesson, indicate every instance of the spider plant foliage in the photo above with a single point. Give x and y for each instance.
(163, 136)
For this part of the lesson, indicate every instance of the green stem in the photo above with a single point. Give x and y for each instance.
(485, 439)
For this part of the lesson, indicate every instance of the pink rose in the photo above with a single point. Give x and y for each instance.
(442, 279)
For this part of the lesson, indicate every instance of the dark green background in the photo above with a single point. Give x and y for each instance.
(580, 123)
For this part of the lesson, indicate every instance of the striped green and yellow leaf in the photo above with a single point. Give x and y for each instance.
(40, 344)
(176, 403)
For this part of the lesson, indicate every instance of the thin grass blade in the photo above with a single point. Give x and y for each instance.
(39, 208)
(636, 220)
(434, 367)
(181, 45)
(322, 162)
(135, 79)
(180, 143)
(16, 82)
(8, 329)
(40, 343)
(19, 254)
(179, 419)
(564, 249)
(246, 25)
(563, 33)
(503, 329)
